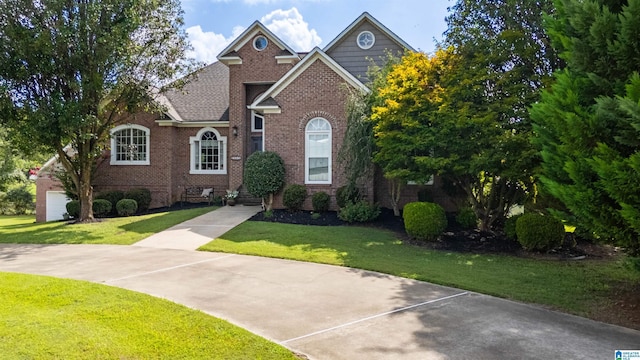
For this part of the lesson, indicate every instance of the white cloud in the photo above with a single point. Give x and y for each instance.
(291, 28)
(288, 25)
(207, 45)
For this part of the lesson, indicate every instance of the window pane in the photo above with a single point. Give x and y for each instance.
(319, 145)
(318, 169)
(130, 145)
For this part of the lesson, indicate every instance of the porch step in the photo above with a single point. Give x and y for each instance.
(247, 199)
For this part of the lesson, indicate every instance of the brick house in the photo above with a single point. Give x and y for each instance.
(260, 95)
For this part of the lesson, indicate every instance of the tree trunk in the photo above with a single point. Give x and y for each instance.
(269, 203)
(395, 187)
(85, 195)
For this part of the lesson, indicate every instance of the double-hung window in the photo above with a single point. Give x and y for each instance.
(208, 152)
(318, 152)
(130, 145)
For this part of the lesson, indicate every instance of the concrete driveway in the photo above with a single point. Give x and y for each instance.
(329, 312)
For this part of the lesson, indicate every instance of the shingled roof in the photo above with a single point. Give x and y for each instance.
(206, 97)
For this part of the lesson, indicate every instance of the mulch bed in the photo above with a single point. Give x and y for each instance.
(453, 239)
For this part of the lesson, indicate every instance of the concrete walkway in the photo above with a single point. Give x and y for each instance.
(198, 231)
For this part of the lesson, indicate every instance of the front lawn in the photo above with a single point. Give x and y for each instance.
(579, 287)
(48, 318)
(117, 231)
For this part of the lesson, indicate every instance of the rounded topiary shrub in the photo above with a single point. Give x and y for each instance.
(467, 218)
(101, 207)
(126, 207)
(360, 211)
(510, 226)
(294, 196)
(264, 175)
(424, 220)
(141, 196)
(73, 208)
(320, 201)
(112, 196)
(347, 194)
(539, 232)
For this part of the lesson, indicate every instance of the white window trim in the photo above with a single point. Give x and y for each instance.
(366, 47)
(253, 123)
(255, 40)
(306, 152)
(192, 150)
(114, 161)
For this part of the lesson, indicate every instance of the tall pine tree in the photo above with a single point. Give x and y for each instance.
(587, 124)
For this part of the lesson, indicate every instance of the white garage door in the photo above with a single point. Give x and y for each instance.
(56, 205)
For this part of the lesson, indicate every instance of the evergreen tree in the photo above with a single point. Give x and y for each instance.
(586, 123)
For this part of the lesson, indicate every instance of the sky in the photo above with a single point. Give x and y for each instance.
(304, 24)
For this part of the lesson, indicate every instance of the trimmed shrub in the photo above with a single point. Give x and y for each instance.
(73, 208)
(264, 175)
(539, 232)
(142, 197)
(360, 211)
(126, 207)
(467, 218)
(320, 201)
(347, 194)
(424, 220)
(112, 196)
(101, 207)
(294, 196)
(510, 227)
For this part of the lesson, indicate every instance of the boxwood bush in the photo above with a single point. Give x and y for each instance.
(360, 211)
(126, 207)
(101, 207)
(142, 197)
(294, 196)
(539, 232)
(320, 201)
(467, 218)
(113, 196)
(510, 226)
(424, 220)
(73, 208)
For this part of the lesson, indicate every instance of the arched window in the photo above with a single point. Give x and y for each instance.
(318, 152)
(130, 145)
(208, 152)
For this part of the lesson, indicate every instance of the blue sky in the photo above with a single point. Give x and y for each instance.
(304, 24)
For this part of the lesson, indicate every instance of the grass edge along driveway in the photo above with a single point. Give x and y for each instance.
(48, 318)
(577, 287)
(114, 231)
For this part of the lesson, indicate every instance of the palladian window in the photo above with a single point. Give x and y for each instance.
(208, 152)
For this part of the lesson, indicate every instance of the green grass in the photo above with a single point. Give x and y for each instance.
(578, 287)
(118, 231)
(47, 318)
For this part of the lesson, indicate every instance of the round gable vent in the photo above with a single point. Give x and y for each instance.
(260, 43)
(366, 39)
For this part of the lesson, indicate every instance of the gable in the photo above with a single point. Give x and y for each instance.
(266, 101)
(230, 55)
(344, 49)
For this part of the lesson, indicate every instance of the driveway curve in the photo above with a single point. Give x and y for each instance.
(329, 312)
